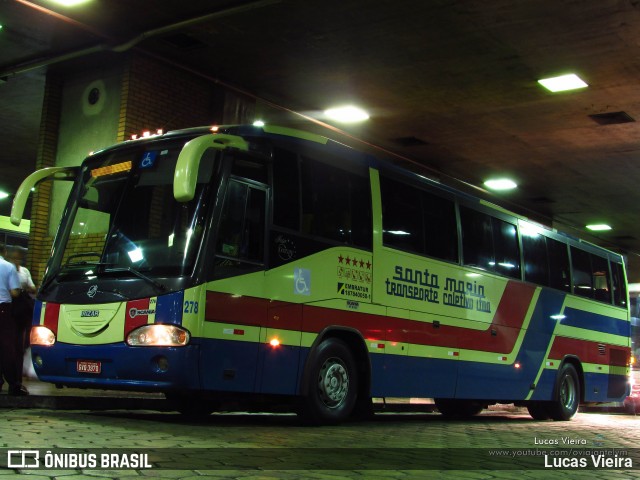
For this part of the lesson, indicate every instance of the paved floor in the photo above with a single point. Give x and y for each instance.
(262, 446)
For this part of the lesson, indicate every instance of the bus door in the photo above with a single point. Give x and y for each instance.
(235, 302)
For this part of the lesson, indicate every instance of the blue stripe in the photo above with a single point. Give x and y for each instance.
(37, 311)
(505, 382)
(593, 321)
(122, 366)
(169, 308)
(401, 376)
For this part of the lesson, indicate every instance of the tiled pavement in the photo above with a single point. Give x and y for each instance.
(356, 450)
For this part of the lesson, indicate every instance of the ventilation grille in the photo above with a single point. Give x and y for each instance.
(611, 118)
(602, 350)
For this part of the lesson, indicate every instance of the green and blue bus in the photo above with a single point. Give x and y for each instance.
(265, 263)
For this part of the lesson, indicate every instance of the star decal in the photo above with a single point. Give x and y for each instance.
(348, 261)
(340, 258)
(361, 263)
(368, 265)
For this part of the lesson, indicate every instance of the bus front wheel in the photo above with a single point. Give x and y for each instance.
(566, 394)
(332, 384)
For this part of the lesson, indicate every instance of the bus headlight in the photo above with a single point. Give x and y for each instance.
(41, 335)
(158, 336)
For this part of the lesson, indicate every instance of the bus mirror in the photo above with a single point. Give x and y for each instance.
(20, 200)
(186, 175)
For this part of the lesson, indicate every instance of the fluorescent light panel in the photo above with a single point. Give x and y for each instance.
(599, 227)
(500, 184)
(347, 114)
(563, 83)
(69, 3)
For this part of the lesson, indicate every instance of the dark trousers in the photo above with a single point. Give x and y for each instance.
(22, 308)
(8, 347)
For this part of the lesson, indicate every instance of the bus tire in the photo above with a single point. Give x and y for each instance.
(538, 410)
(333, 384)
(566, 394)
(457, 408)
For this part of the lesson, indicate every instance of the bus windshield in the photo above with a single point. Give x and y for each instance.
(122, 217)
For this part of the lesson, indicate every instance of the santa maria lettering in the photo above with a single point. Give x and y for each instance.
(469, 295)
(413, 284)
(422, 285)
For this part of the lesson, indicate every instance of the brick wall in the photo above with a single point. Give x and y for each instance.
(39, 239)
(154, 95)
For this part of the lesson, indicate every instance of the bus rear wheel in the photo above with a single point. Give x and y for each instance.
(457, 408)
(538, 410)
(332, 384)
(566, 394)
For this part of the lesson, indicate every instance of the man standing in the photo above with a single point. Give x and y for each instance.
(9, 289)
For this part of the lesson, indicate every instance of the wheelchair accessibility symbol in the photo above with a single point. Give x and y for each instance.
(302, 281)
(148, 159)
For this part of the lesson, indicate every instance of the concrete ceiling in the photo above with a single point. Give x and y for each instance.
(449, 84)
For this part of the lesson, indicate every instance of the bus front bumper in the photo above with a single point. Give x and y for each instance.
(118, 366)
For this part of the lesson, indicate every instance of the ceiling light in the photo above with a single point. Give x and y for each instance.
(500, 184)
(69, 3)
(563, 83)
(347, 114)
(599, 227)
(258, 123)
(3, 195)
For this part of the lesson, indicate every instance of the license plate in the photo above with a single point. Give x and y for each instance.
(88, 366)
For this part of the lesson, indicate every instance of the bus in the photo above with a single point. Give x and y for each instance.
(266, 263)
(11, 235)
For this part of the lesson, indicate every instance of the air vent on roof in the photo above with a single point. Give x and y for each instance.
(611, 118)
(183, 41)
(409, 141)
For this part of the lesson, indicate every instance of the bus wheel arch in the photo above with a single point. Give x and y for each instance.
(340, 353)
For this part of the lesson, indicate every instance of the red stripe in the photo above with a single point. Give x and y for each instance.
(51, 316)
(130, 322)
(499, 337)
(225, 308)
(585, 350)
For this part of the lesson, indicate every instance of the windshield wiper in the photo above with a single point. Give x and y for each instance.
(80, 255)
(159, 286)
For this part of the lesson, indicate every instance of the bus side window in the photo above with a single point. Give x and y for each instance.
(402, 220)
(286, 189)
(505, 244)
(241, 232)
(536, 261)
(477, 239)
(619, 285)
(441, 231)
(558, 265)
(601, 281)
(582, 278)
(326, 209)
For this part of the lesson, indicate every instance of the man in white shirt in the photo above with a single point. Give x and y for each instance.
(9, 289)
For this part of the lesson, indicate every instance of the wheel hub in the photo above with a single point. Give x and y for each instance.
(333, 382)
